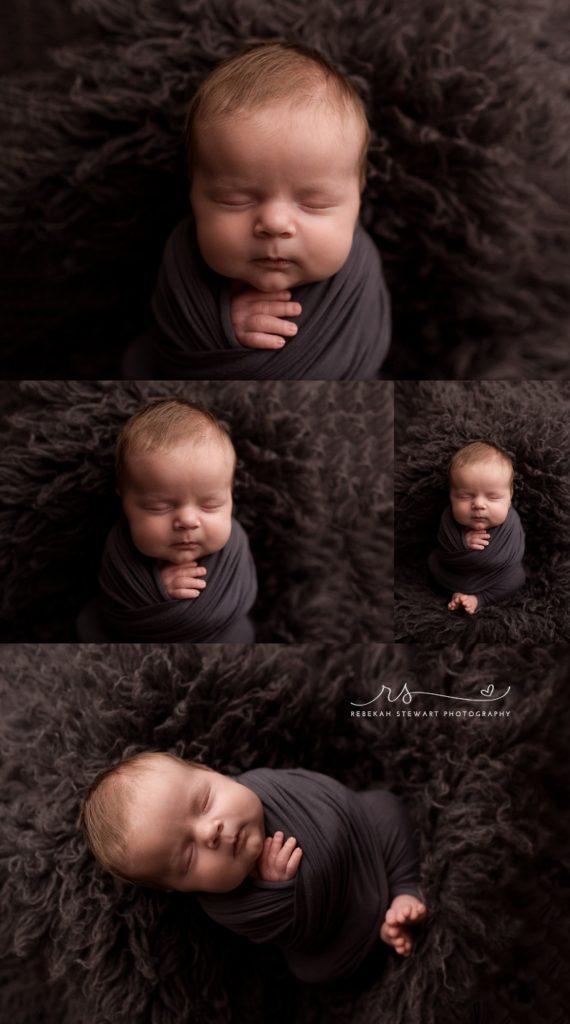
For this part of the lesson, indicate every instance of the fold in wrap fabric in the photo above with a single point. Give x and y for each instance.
(135, 606)
(358, 853)
(491, 574)
(344, 328)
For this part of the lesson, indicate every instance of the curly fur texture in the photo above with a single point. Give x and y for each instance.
(484, 794)
(530, 421)
(468, 111)
(314, 491)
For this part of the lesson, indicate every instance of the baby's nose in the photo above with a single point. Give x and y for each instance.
(211, 833)
(186, 518)
(275, 219)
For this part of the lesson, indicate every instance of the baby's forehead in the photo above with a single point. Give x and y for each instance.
(322, 112)
(219, 448)
(491, 466)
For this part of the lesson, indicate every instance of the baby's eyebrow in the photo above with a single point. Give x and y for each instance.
(225, 181)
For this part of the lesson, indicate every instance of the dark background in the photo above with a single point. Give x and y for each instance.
(529, 420)
(468, 108)
(314, 492)
(488, 798)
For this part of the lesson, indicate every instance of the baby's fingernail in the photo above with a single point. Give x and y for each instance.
(292, 328)
(297, 307)
(280, 343)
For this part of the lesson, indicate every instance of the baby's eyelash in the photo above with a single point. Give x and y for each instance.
(206, 800)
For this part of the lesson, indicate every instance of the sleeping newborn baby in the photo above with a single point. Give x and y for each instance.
(277, 141)
(480, 538)
(178, 565)
(286, 856)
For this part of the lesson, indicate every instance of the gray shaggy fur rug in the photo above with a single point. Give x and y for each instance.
(529, 420)
(487, 798)
(467, 104)
(314, 491)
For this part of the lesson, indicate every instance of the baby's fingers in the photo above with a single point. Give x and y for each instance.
(282, 858)
(294, 861)
(274, 307)
(256, 339)
(184, 593)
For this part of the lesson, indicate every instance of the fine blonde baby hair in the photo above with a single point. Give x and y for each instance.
(104, 811)
(273, 72)
(164, 423)
(481, 451)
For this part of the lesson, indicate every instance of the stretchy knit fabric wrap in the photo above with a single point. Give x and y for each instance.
(492, 574)
(135, 605)
(358, 853)
(344, 327)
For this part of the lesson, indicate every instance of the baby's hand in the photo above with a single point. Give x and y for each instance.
(279, 861)
(477, 540)
(256, 318)
(183, 581)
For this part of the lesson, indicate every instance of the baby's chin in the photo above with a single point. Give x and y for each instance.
(185, 556)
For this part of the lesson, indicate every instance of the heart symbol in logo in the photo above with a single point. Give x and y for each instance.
(489, 691)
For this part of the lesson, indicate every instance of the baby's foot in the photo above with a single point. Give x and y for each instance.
(467, 601)
(403, 911)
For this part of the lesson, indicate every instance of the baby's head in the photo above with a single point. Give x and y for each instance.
(157, 820)
(277, 141)
(481, 480)
(175, 465)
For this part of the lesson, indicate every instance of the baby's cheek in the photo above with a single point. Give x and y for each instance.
(330, 246)
(146, 534)
(226, 527)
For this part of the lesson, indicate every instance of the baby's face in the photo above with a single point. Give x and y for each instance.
(192, 830)
(276, 195)
(178, 502)
(480, 494)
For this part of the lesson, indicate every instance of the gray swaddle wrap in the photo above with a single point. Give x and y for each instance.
(358, 853)
(344, 328)
(135, 605)
(490, 574)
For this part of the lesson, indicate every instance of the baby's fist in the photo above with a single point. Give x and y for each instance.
(279, 861)
(183, 582)
(477, 540)
(257, 318)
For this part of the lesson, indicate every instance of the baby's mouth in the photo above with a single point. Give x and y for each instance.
(272, 261)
